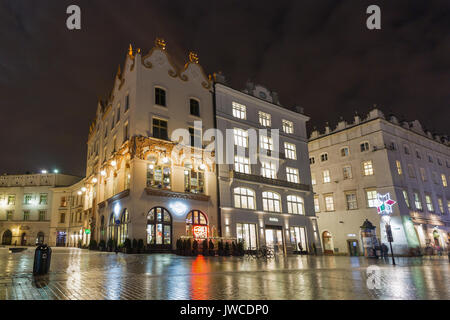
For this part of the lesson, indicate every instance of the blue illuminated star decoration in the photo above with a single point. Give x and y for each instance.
(384, 204)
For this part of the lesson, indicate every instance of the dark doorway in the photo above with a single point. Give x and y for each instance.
(353, 248)
(7, 238)
(23, 239)
(61, 239)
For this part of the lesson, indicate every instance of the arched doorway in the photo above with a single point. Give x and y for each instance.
(159, 229)
(23, 239)
(118, 228)
(328, 247)
(40, 238)
(7, 238)
(197, 224)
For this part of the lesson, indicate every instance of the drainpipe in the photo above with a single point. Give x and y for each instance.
(219, 211)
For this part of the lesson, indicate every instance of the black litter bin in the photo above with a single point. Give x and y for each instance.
(42, 257)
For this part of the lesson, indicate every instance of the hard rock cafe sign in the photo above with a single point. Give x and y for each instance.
(200, 232)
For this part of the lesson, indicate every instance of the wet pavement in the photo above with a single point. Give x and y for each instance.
(84, 275)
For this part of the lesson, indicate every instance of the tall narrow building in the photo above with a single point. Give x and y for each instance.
(148, 176)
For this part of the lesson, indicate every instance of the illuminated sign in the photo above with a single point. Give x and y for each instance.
(273, 219)
(200, 232)
(384, 204)
(178, 207)
(87, 231)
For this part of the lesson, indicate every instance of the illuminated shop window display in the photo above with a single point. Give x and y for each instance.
(159, 227)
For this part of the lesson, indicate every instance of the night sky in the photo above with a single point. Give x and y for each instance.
(316, 54)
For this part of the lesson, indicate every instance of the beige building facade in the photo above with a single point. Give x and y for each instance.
(355, 162)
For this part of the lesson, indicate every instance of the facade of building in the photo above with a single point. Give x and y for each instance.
(263, 175)
(148, 175)
(26, 203)
(354, 163)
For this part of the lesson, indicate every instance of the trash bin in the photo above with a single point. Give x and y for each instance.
(42, 257)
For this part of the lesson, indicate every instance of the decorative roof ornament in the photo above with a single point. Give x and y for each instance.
(193, 57)
(130, 51)
(160, 43)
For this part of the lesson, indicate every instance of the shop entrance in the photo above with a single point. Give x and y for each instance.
(274, 239)
(353, 248)
(328, 246)
(61, 239)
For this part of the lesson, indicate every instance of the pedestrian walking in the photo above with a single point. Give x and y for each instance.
(384, 250)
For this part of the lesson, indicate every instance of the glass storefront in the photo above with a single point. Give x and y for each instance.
(159, 227)
(298, 238)
(246, 232)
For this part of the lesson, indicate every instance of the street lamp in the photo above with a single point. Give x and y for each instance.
(384, 208)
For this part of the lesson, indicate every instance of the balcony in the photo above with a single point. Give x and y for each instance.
(269, 181)
(173, 194)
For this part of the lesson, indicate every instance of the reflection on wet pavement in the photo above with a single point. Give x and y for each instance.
(81, 274)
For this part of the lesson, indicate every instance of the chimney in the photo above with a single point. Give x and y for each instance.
(327, 128)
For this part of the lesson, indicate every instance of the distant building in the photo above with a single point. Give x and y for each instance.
(353, 163)
(264, 183)
(26, 203)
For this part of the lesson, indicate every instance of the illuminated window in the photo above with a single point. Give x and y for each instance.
(244, 198)
(429, 203)
(160, 129)
(290, 151)
(417, 201)
(239, 111)
(406, 197)
(352, 203)
(364, 146)
(423, 174)
(160, 97)
(399, 167)
(159, 227)
(367, 168)
(268, 169)
(444, 180)
(344, 152)
(63, 202)
(326, 176)
(242, 164)
(43, 198)
(241, 137)
(197, 224)
(347, 172)
(265, 119)
(271, 201)
(159, 176)
(292, 175)
(265, 143)
(288, 126)
(27, 199)
(316, 204)
(313, 179)
(246, 232)
(298, 238)
(194, 107)
(371, 196)
(194, 181)
(295, 205)
(441, 205)
(329, 202)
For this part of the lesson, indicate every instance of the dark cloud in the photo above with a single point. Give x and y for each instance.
(316, 54)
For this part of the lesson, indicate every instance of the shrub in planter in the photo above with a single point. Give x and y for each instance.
(220, 250)
(211, 248)
(188, 251)
(134, 245)
(140, 245)
(195, 248)
(102, 245)
(127, 245)
(234, 251)
(227, 249)
(205, 247)
(92, 245)
(79, 244)
(110, 245)
(179, 246)
(240, 248)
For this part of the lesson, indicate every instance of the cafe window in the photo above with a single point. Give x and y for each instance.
(194, 181)
(159, 227)
(159, 176)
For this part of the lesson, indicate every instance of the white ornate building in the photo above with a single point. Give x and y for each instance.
(355, 161)
(139, 183)
(26, 203)
(264, 181)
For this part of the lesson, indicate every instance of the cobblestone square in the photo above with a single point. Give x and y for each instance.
(84, 275)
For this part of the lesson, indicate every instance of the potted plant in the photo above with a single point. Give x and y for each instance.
(195, 248)
(140, 246)
(188, 249)
(234, 249)
(179, 247)
(240, 248)
(220, 248)
(110, 245)
(226, 251)
(92, 245)
(205, 247)
(211, 248)
(102, 245)
(135, 244)
(126, 246)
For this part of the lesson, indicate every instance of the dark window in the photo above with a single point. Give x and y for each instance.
(196, 137)
(160, 129)
(127, 103)
(195, 107)
(160, 97)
